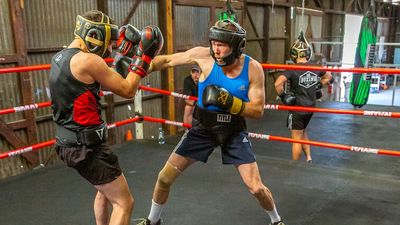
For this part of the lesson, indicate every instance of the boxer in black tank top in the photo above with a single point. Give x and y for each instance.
(77, 74)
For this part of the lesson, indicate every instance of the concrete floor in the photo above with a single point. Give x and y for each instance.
(340, 187)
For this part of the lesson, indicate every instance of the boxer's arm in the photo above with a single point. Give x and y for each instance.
(188, 57)
(109, 79)
(255, 107)
(279, 84)
(326, 78)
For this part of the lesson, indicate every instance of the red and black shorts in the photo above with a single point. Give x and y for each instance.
(298, 121)
(97, 164)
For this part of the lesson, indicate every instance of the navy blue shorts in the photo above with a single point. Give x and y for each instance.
(297, 121)
(199, 142)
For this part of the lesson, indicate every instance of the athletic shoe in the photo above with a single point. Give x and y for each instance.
(147, 222)
(278, 223)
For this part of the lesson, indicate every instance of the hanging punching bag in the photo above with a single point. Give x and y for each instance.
(360, 85)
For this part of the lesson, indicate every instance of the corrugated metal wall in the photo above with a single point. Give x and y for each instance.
(50, 23)
(10, 95)
(145, 14)
(14, 165)
(253, 48)
(191, 26)
(51, 28)
(6, 36)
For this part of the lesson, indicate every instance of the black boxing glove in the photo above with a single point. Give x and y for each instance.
(318, 92)
(220, 97)
(287, 99)
(122, 64)
(129, 38)
(150, 45)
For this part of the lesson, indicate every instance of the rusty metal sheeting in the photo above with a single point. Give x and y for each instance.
(40, 81)
(6, 34)
(14, 165)
(10, 94)
(46, 132)
(50, 23)
(191, 26)
(152, 108)
(146, 13)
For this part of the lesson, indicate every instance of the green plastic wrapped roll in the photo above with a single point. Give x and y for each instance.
(360, 85)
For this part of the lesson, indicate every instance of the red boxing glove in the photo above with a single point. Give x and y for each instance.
(150, 45)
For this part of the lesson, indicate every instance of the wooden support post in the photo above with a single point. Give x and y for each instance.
(6, 59)
(25, 79)
(167, 76)
(265, 47)
(288, 25)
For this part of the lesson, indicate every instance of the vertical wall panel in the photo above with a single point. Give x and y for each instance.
(146, 13)
(191, 25)
(6, 34)
(40, 81)
(13, 165)
(50, 23)
(46, 132)
(152, 108)
(253, 48)
(10, 95)
(277, 25)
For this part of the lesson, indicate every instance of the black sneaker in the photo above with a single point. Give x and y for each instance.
(277, 223)
(146, 222)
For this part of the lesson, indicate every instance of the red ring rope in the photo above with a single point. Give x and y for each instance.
(268, 106)
(356, 70)
(382, 71)
(254, 135)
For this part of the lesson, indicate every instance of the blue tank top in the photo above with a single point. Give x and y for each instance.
(238, 86)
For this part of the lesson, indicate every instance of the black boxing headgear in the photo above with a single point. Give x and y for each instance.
(230, 32)
(300, 49)
(97, 36)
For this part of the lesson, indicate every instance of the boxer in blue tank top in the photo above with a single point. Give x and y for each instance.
(231, 87)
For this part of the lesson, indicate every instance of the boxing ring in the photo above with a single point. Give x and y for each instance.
(340, 187)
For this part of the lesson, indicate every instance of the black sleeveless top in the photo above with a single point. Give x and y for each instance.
(303, 84)
(75, 105)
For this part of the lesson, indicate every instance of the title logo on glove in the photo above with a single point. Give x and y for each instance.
(223, 96)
